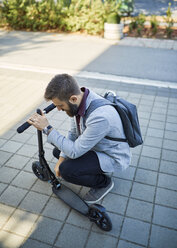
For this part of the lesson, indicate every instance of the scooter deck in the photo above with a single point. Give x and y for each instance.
(71, 198)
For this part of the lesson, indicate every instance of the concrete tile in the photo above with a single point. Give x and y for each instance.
(28, 166)
(33, 140)
(5, 213)
(101, 241)
(157, 124)
(10, 240)
(139, 210)
(75, 218)
(158, 117)
(127, 174)
(152, 152)
(153, 141)
(75, 234)
(17, 161)
(8, 135)
(171, 135)
(160, 103)
(42, 187)
(27, 150)
(169, 155)
(34, 202)
(20, 222)
(2, 142)
(2, 187)
(13, 196)
(171, 127)
(173, 100)
(7, 174)
(142, 114)
(166, 197)
(56, 209)
(4, 156)
(143, 131)
(167, 181)
(137, 149)
(115, 203)
(46, 230)
(143, 192)
(135, 231)
(11, 146)
(149, 163)
(121, 187)
(24, 180)
(126, 244)
(134, 160)
(30, 243)
(146, 177)
(144, 108)
(170, 144)
(143, 122)
(170, 216)
(168, 167)
(172, 119)
(159, 110)
(163, 237)
(172, 106)
(155, 132)
(22, 138)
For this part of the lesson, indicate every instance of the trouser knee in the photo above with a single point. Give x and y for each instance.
(64, 170)
(56, 153)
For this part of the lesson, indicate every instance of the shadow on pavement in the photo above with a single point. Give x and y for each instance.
(30, 41)
(136, 62)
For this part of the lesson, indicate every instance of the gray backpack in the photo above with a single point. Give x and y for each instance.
(128, 114)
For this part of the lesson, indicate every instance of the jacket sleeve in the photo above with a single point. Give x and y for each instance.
(72, 135)
(97, 128)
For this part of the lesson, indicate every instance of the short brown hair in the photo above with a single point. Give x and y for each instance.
(62, 86)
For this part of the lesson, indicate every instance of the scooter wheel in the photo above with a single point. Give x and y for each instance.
(100, 217)
(39, 171)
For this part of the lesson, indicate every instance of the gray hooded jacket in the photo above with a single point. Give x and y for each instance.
(103, 121)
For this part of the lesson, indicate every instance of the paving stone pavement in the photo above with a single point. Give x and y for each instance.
(142, 205)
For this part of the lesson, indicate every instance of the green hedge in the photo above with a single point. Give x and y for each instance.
(64, 15)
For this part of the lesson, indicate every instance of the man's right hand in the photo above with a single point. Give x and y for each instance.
(57, 170)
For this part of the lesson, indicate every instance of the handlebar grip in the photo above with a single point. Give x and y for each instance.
(26, 125)
(49, 108)
(23, 127)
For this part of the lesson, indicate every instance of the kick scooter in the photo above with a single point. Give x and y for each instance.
(96, 213)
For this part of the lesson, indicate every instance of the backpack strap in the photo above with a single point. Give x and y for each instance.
(96, 104)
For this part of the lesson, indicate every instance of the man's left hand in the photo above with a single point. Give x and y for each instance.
(38, 121)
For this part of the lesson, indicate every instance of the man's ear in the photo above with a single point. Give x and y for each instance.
(73, 99)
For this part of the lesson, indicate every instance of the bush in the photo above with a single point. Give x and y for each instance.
(137, 23)
(85, 15)
(32, 15)
(169, 21)
(154, 24)
(64, 15)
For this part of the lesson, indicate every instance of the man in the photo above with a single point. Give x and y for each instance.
(86, 155)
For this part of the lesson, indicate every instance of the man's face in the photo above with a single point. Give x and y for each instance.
(69, 108)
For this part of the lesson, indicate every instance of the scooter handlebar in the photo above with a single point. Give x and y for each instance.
(26, 125)
(49, 108)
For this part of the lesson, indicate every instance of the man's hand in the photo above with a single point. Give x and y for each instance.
(38, 121)
(57, 170)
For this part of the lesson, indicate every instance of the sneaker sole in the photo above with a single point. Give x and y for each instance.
(92, 202)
